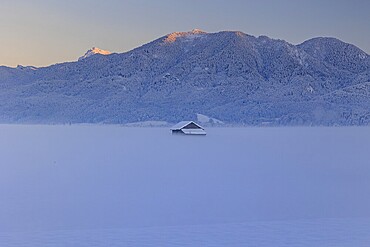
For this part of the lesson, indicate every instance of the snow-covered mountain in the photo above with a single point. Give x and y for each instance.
(94, 51)
(229, 76)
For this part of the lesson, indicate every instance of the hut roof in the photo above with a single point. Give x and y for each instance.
(182, 124)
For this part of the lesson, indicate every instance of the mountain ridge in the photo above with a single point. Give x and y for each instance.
(231, 76)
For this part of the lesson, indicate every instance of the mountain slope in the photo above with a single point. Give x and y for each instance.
(230, 76)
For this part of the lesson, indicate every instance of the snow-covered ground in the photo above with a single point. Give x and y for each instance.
(118, 186)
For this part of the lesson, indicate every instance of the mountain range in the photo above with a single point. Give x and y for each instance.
(228, 76)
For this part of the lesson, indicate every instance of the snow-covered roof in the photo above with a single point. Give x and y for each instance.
(182, 124)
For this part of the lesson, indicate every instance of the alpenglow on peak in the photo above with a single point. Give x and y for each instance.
(93, 51)
(172, 37)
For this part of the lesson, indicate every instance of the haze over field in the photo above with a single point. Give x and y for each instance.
(101, 185)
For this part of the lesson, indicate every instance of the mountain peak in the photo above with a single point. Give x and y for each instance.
(197, 31)
(93, 51)
(174, 36)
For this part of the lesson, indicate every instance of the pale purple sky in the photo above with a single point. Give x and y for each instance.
(44, 32)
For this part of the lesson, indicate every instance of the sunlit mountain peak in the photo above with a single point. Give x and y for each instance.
(93, 51)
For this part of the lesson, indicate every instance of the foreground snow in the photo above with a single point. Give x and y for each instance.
(115, 186)
(316, 233)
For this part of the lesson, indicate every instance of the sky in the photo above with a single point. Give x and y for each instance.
(45, 32)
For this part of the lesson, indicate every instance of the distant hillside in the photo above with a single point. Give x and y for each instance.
(229, 76)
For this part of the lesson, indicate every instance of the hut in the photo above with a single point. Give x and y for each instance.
(188, 128)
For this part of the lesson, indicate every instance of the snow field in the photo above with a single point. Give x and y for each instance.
(119, 186)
